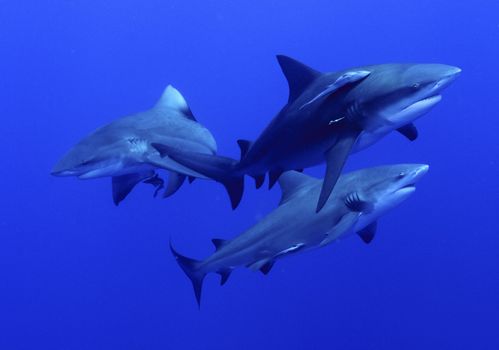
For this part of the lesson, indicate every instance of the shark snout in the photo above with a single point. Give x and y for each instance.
(447, 76)
(418, 172)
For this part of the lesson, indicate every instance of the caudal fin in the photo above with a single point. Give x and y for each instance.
(218, 168)
(191, 269)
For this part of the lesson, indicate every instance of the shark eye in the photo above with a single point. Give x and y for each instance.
(416, 86)
(401, 175)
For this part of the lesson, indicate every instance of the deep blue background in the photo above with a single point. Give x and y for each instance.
(78, 273)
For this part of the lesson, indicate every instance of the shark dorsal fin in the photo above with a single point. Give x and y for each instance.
(298, 75)
(173, 99)
(219, 243)
(291, 182)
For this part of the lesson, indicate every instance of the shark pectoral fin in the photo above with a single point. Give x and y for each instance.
(265, 269)
(368, 232)
(336, 157)
(122, 185)
(409, 131)
(175, 180)
(298, 75)
(356, 203)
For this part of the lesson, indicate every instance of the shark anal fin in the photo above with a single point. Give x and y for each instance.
(354, 202)
(122, 185)
(175, 180)
(298, 75)
(368, 232)
(265, 269)
(336, 157)
(409, 131)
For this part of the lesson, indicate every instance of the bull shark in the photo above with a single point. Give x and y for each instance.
(329, 116)
(122, 149)
(355, 205)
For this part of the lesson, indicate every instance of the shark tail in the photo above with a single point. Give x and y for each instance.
(218, 168)
(191, 269)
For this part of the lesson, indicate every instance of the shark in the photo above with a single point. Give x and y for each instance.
(327, 117)
(122, 149)
(357, 202)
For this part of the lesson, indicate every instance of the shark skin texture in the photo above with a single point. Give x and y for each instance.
(122, 149)
(327, 117)
(355, 205)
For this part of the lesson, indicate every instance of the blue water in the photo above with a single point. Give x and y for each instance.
(78, 273)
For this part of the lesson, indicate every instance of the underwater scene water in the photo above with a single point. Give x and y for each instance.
(386, 88)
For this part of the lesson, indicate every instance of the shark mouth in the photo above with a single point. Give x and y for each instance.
(425, 103)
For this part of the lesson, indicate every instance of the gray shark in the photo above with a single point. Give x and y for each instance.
(330, 115)
(355, 205)
(122, 149)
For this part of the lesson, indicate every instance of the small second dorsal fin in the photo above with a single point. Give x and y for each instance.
(298, 75)
(173, 99)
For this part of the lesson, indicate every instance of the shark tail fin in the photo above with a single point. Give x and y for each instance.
(218, 168)
(191, 269)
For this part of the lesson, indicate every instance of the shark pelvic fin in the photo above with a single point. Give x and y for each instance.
(122, 185)
(356, 203)
(190, 267)
(265, 269)
(173, 99)
(291, 182)
(259, 180)
(224, 275)
(409, 131)
(175, 180)
(368, 232)
(298, 75)
(219, 243)
(336, 157)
